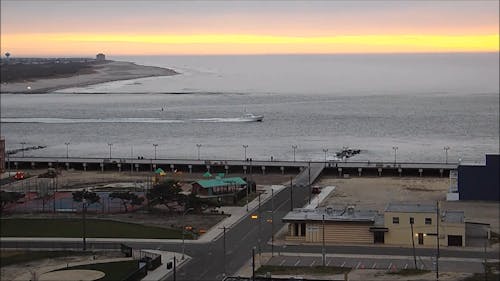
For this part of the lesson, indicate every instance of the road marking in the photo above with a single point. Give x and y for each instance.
(328, 263)
(374, 265)
(312, 263)
(298, 261)
(282, 262)
(389, 267)
(342, 264)
(357, 266)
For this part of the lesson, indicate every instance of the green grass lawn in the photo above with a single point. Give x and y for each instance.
(8, 257)
(115, 271)
(72, 228)
(301, 270)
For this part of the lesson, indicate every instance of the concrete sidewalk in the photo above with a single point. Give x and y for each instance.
(161, 272)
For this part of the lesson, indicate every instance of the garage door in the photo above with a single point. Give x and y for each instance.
(455, 240)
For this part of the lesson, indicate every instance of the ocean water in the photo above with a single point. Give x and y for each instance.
(419, 103)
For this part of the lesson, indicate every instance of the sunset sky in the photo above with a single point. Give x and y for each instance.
(83, 28)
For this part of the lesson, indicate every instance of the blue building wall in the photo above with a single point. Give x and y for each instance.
(480, 182)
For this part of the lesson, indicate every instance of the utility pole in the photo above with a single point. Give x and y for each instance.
(224, 248)
(175, 269)
(184, 229)
(253, 264)
(291, 194)
(323, 250)
(438, 218)
(272, 222)
(260, 228)
(84, 202)
(309, 180)
(485, 263)
(413, 243)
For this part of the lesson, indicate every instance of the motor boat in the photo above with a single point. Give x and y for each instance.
(249, 117)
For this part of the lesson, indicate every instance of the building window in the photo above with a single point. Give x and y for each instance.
(412, 220)
(395, 220)
(303, 229)
(428, 221)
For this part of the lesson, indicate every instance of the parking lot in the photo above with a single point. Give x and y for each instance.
(389, 263)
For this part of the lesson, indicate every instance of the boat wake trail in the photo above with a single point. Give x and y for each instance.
(118, 120)
(87, 120)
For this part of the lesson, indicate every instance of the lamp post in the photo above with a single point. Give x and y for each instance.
(446, 148)
(245, 146)
(155, 145)
(395, 148)
(22, 147)
(198, 146)
(183, 230)
(272, 222)
(294, 147)
(67, 149)
(325, 150)
(110, 145)
(84, 230)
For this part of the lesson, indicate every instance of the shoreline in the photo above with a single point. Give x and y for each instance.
(101, 73)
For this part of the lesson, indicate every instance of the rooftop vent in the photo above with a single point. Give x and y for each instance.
(350, 210)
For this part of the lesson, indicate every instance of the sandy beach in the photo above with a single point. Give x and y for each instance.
(106, 72)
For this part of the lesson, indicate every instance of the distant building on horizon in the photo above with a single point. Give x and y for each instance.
(100, 57)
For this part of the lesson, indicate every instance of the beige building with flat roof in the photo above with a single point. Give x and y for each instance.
(400, 219)
(367, 227)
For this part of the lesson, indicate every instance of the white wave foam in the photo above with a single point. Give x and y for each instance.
(87, 120)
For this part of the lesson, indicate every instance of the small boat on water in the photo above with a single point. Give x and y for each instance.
(249, 117)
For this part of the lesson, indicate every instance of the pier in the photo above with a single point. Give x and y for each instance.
(306, 175)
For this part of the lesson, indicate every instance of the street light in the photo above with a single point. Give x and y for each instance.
(294, 147)
(22, 147)
(155, 145)
(67, 149)
(198, 146)
(110, 144)
(395, 153)
(245, 146)
(183, 229)
(325, 150)
(446, 148)
(84, 230)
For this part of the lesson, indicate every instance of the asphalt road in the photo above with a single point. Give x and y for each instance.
(208, 260)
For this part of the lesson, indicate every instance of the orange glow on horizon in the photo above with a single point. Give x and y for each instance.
(172, 44)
